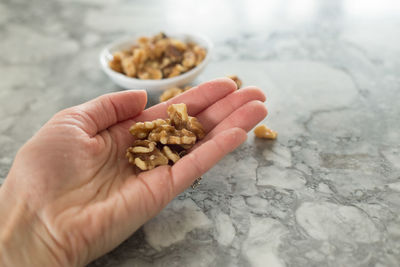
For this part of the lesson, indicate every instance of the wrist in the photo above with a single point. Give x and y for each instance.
(23, 238)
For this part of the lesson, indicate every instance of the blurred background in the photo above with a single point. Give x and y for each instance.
(330, 70)
(50, 49)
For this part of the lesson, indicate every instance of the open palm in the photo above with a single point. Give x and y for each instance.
(76, 178)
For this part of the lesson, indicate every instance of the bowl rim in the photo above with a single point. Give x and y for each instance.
(105, 55)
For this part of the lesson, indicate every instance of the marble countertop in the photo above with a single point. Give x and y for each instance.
(325, 193)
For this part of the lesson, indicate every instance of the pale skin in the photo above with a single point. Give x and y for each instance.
(71, 195)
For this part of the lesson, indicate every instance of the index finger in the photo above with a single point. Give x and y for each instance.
(202, 158)
(196, 99)
(104, 111)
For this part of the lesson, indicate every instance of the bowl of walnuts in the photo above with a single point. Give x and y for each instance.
(156, 62)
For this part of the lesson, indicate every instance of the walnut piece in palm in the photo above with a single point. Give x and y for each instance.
(141, 130)
(169, 135)
(145, 155)
(171, 154)
(164, 141)
(181, 120)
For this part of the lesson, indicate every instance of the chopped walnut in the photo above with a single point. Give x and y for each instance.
(189, 59)
(139, 57)
(164, 141)
(141, 130)
(152, 64)
(142, 146)
(145, 155)
(115, 64)
(160, 47)
(262, 131)
(167, 134)
(128, 66)
(176, 70)
(178, 44)
(200, 54)
(170, 93)
(178, 114)
(173, 53)
(165, 63)
(195, 126)
(167, 70)
(157, 57)
(150, 73)
(181, 120)
(142, 41)
(171, 155)
(236, 80)
(159, 36)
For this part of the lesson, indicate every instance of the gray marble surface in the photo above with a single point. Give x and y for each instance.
(326, 193)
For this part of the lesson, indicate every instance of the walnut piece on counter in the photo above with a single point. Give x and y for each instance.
(164, 141)
(157, 57)
(145, 155)
(262, 131)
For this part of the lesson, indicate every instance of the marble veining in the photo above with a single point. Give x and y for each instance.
(325, 193)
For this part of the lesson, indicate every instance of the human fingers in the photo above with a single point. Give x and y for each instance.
(245, 117)
(221, 109)
(205, 156)
(196, 100)
(106, 110)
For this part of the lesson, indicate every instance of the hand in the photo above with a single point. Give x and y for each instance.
(71, 195)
